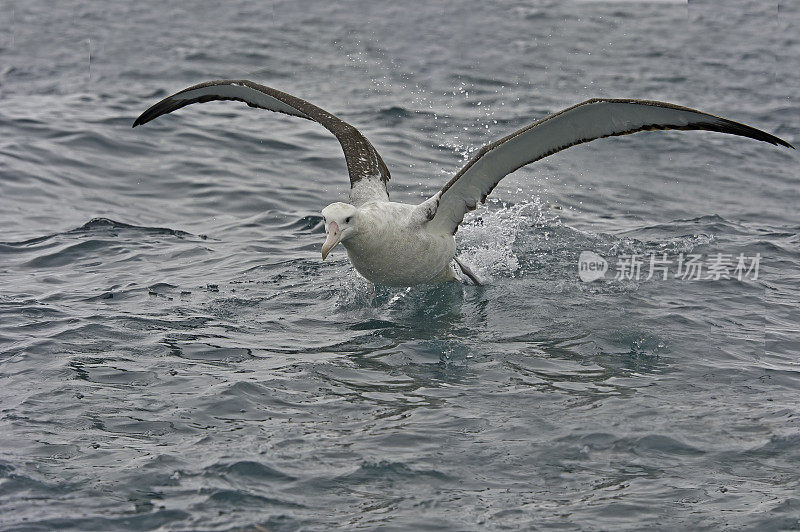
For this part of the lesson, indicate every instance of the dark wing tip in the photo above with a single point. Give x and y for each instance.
(167, 105)
(724, 125)
(151, 113)
(720, 125)
(141, 120)
(174, 102)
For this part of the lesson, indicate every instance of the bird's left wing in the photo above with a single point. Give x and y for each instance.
(368, 173)
(587, 121)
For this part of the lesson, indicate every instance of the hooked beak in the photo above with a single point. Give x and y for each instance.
(334, 237)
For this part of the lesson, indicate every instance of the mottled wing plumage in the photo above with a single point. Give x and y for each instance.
(587, 121)
(368, 173)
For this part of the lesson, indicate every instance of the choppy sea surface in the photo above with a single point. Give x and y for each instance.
(174, 355)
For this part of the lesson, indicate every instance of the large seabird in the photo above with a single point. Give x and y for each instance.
(398, 244)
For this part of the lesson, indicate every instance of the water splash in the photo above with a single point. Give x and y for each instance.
(353, 291)
(488, 235)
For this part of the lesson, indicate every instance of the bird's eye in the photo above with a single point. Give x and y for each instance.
(347, 220)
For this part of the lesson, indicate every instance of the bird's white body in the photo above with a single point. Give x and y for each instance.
(402, 245)
(393, 247)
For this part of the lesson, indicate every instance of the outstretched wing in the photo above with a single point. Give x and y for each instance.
(587, 121)
(368, 172)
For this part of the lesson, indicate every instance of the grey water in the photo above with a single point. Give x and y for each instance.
(174, 355)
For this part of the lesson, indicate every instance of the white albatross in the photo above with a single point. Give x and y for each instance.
(398, 244)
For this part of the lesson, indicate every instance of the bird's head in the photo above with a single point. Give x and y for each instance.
(341, 223)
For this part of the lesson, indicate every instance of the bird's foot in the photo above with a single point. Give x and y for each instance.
(469, 273)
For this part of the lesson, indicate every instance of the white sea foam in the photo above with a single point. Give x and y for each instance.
(487, 236)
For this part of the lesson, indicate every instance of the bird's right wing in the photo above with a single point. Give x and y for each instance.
(368, 173)
(587, 121)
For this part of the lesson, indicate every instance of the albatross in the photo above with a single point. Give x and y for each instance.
(399, 244)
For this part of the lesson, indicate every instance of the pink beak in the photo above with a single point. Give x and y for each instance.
(334, 237)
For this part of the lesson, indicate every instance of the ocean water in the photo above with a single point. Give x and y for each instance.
(174, 355)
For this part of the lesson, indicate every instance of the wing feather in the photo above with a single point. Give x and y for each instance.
(584, 122)
(368, 172)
